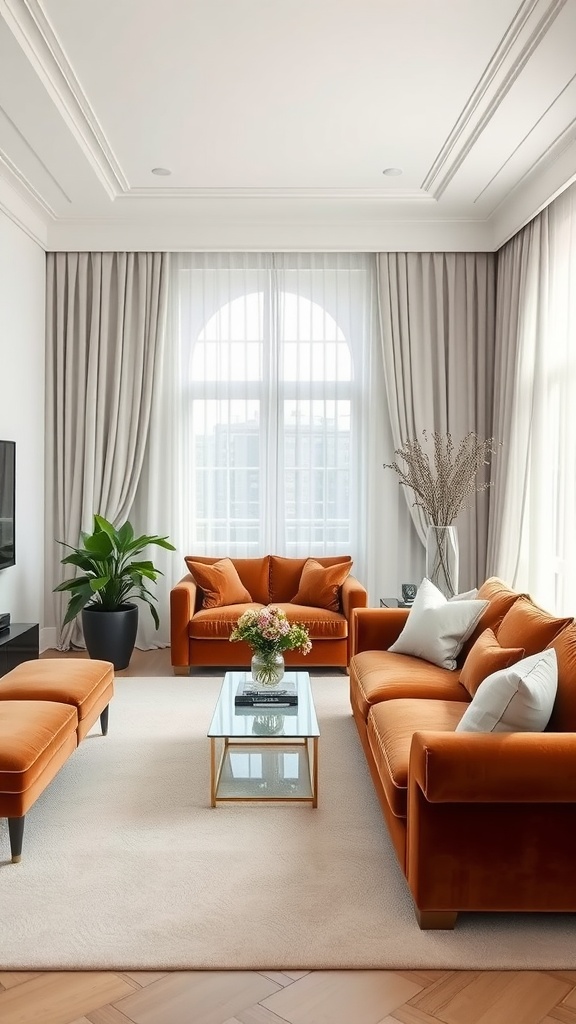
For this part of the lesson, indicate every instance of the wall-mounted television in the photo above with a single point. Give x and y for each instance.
(7, 503)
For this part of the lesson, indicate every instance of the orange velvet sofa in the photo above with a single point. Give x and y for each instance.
(479, 821)
(201, 636)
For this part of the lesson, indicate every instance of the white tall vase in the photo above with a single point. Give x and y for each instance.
(442, 559)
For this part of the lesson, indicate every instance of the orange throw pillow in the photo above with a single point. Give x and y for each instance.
(486, 657)
(527, 624)
(219, 581)
(320, 585)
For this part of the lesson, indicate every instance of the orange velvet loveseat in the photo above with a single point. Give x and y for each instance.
(479, 821)
(200, 636)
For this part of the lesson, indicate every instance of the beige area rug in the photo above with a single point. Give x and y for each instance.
(126, 866)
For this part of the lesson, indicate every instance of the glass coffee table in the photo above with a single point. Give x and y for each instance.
(265, 753)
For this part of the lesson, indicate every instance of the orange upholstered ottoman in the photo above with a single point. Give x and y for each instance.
(46, 709)
(86, 685)
(36, 738)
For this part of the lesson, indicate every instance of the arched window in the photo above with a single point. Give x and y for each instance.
(270, 395)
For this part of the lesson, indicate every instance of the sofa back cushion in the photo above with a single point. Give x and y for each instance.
(563, 718)
(219, 583)
(320, 585)
(285, 575)
(528, 626)
(500, 599)
(253, 573)
(486, 657)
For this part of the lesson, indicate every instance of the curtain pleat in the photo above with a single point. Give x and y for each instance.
(437, 314)
(105, 320)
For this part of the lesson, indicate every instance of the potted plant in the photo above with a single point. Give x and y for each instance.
(111, 577)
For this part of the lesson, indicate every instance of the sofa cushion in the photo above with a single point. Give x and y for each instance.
(254, 573)
(381, 676)
(500, 599)
(391, 726)
(563, 718)
(436, 628)
(31, 734)
(217, 623)
(285, 574)
(320, 585)
(486, 657)
(220, 583)
(516, 699)
(64, 680)
(320, 623)
(528, 626)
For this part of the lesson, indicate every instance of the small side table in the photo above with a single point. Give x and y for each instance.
(393, 602)
(20, 642)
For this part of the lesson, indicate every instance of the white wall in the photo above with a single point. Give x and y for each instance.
(22, 347)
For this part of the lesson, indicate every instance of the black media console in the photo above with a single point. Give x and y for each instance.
(21, 642)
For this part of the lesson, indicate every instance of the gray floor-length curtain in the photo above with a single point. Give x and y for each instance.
(105, 316)
(437, 316)
(521, 304)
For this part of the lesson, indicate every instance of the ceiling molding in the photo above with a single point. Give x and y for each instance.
(410, 194)
(502, 71)
(525, 138)
(536, 193)
(19, 211)
(32, 29)
(562, 141)
(18, 180)
(21, 178)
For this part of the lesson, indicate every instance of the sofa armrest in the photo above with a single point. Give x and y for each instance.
(376, 629)
(352, 595)
(494, 767)
(182, 607)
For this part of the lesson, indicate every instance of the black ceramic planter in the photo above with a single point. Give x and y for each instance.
(110, 636)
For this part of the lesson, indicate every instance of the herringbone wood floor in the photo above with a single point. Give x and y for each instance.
(287, 997)
(291, 997)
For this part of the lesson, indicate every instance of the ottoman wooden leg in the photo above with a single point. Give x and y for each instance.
(104, 720)
(16, 833)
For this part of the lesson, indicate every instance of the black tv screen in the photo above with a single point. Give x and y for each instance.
(7, 503)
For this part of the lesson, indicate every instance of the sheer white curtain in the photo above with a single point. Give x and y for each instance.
(536, 548)
(265, 422)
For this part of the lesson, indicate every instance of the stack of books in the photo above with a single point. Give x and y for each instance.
(250, 695)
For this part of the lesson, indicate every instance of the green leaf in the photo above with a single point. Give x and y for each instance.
(99, 544)
(74, 584)
(103, 526)
(100, 583)
(76, 604)
(125, 535)
(83, 561)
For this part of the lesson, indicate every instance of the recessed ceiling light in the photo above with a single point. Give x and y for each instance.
(392, 172)
(162, 172)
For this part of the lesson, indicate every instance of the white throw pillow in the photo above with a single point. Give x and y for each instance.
(515, 699)
(470, 595)
(436, 629)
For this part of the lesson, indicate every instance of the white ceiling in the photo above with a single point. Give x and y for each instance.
(277, 118)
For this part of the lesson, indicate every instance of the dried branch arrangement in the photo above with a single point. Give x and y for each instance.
(442, 476)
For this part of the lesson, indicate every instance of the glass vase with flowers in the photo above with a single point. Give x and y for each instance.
(268, 633)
